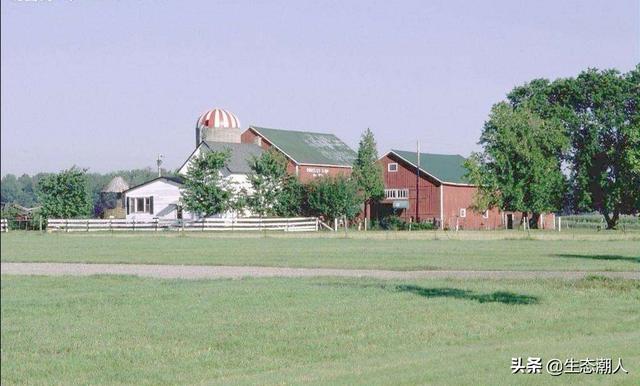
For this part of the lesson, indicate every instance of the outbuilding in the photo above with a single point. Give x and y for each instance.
(157, 198)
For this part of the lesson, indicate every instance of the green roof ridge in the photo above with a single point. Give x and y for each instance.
(448, 168)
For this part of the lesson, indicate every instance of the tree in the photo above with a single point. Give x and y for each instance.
(333, 197)
(519, 168)
(275, 192)
(290, 202)
(65, 194)
(604, 120)
(205, 192)
(367, 172)
(267, 177)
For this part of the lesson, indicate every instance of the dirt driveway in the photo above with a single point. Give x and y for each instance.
(237, 272)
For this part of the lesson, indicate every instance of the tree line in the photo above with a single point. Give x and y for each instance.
(39, 189)
(570, 144)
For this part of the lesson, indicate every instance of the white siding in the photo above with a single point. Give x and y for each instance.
(166, 196)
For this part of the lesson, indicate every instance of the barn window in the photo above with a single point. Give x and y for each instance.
(392, 194)
(463, 212)
(485, 214)
(392, 167)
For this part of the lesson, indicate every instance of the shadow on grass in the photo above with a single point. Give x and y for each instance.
(601, 257)
(456, 293)
(494, 297)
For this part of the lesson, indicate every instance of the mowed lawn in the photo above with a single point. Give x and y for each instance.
(127, 330)
(373, 250)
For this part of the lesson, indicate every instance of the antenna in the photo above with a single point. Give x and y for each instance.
(159, 162)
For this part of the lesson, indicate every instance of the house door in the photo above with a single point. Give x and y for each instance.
(510, 221)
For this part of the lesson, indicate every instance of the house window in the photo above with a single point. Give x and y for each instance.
(140, 205)
(392, 167)
(396, 194)
(463, 212)
(485, 214)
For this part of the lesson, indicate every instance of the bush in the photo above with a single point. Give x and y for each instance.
(395, 223)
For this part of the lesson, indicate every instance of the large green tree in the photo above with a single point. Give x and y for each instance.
(367, 173)
(599, 110)
(205, 191)
(333, 197)
(519, 167)
(603, 117)
(65, 194)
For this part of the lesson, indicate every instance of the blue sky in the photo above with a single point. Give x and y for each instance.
(110, 84)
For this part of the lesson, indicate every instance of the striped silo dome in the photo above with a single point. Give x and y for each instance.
(219, 118)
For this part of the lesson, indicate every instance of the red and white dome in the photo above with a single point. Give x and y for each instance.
(219, 119)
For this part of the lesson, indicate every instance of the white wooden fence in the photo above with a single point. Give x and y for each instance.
(4, 225)
(291, 224)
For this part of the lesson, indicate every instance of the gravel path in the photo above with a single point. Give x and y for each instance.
(230, 272)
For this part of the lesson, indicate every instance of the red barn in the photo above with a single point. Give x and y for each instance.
(309, 155)
(435, 191)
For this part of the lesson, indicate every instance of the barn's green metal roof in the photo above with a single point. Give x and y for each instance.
(445, 167)
(309, 148)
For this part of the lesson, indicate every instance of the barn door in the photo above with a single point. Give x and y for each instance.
(510, 221)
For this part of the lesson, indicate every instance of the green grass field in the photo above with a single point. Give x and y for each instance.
(126, 330)
(388, 250)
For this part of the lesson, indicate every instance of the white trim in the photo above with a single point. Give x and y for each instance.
(441, 207)
(463, 212)
(485, 214)
(395, 164)
(328, 166)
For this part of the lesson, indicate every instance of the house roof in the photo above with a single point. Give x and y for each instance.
(116, 185)
(240, 157)
(174, 179)
(447, 168)
(309, 148)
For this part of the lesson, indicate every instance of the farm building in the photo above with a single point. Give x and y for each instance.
(157, 198)
(112, 198)
(309, 155)
(437, 191)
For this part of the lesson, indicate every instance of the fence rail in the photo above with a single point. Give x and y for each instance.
(292, 224)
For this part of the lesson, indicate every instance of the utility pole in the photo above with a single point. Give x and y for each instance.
(159, 162)
(418, 180)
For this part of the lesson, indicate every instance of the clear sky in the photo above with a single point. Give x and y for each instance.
(110, 84)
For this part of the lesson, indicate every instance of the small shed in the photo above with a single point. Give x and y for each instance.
(112, 198)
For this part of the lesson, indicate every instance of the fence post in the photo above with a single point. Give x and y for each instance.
(287, 226)
(134, 224)
(156, 224)
(317, 224)
(66, 227)
(110, 225)
(40, 223)
(87, 225)
(559, 223)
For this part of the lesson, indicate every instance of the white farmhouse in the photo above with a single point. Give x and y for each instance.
(216, 130)
(158, 198)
